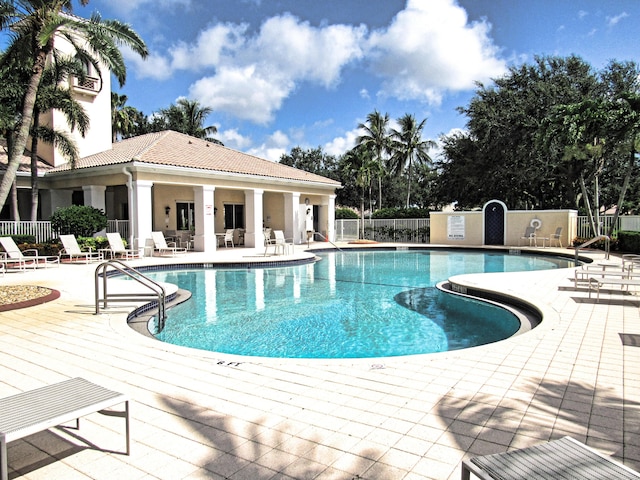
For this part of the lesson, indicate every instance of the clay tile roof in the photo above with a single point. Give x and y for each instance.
(25, 161)
(179, 150)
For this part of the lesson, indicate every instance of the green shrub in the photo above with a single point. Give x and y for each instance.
(345, 213)
(412, 212)
(23, 239)
(629, 241)
(78, 220)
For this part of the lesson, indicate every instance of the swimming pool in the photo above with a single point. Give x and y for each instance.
(356, 304)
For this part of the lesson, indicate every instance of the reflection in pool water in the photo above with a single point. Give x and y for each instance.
(348, 305)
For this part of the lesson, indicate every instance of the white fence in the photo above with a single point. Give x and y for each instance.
(43, 232)
(416, 230)
(410, 230)
(405, 230)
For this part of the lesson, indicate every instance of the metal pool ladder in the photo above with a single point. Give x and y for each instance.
(154, 290)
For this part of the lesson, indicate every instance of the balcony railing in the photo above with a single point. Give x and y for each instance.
(87, 84)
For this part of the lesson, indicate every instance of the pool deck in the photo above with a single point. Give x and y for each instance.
(200, 415)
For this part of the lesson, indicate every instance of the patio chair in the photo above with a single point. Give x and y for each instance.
(563, 458)
(163, 248)
(228, 238)
(281, 243)
(118, 250)
(15, 257)
(72, 250)
(530, 235)
(556, 237)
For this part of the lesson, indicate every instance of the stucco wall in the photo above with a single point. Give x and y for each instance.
(446, 225)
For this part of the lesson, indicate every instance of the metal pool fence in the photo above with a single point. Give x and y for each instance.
(406, 230)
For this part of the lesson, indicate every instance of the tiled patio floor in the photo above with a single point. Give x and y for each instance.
(200, 415)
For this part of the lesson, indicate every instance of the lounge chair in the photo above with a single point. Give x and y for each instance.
(556, 237)
(163, 248)
(33, 411)
(563, 458)
(72, 250)
(117, 248)
(17, 258)
(530, 235)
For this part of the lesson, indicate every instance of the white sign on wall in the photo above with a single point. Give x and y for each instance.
(455, 227)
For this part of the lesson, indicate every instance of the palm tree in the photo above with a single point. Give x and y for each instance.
(188, 117)
(408, 148)
(376, 138)
(122, 117)
(35, 24)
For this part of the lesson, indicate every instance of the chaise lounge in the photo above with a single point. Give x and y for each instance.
(24, 259)
(565, 458)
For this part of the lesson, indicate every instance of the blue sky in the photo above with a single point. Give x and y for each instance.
(286, 73)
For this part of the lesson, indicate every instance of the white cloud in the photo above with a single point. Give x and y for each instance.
(273, 148)
(251, 75)
(613, 21)
(431, 48)
(340, 145)
(233, 139)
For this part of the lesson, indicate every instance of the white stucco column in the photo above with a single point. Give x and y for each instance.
(291, 214)
(205, 238)
(54, 199)
(253, 205)
(141, 212)
(331, 218)
(94, 196)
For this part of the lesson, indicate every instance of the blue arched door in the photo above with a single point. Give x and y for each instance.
(494, 222)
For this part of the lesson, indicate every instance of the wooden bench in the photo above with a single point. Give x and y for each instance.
(46, 407)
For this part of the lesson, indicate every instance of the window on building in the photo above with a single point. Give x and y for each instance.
(233, 216)
(184, 216)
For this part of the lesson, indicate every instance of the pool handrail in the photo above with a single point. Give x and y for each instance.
(157, 291)
(326, 240)
(607, 245)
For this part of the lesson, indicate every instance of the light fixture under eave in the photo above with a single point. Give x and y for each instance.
(306, 201)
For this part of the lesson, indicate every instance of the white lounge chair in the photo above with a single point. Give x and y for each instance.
(46, 407)
(117, 248)
(163, 248)
(563, 458)
(25, 258)
(72, 250)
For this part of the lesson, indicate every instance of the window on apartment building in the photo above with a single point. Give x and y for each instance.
(233, 216)
(184, 216)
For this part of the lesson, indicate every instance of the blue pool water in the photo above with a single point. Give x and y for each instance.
(347, 305)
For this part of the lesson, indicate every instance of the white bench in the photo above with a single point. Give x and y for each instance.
(46, 407)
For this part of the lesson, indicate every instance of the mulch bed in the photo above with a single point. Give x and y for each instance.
(13, 297)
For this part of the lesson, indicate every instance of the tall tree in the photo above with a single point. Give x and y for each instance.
(312, 160)
(123, 117)
(37, 23)
(188, 116)
(408, 148)
(376, 139)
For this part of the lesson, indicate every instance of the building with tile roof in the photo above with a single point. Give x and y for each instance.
(169, 181)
